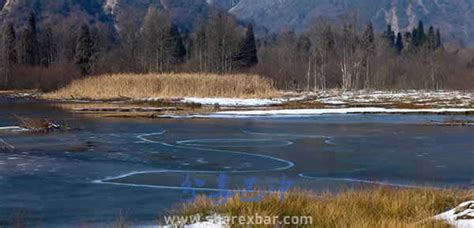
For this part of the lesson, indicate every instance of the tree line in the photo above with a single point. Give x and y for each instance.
(327, 55)
(340, 55)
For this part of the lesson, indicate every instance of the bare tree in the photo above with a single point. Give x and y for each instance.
(222, 42)
(350, 61)
(322, 37)
(155, 34)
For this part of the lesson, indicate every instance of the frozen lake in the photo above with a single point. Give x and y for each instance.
(140, 168)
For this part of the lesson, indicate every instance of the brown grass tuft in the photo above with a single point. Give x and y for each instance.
(373, 207)
(126, 86)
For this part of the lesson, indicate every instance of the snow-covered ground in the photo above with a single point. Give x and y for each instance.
(460, 217)
(309, 112)
(451, 99)
(234, 102)
(429, 98)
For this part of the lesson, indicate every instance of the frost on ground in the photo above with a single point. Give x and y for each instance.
(428, 98)
(460, 217)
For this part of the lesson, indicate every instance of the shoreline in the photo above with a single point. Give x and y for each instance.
(289, 104)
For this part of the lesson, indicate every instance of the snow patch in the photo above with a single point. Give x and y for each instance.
(233, 102)
(110, 6)
(8, 5)
(307, 112)
(429, 98)
(460, 217)
(13, 128)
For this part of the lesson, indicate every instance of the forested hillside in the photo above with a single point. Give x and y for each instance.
(454, 17)
(46, 44)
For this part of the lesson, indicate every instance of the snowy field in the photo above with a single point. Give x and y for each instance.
(236, 102)
(335, 98)
(429, 98)
(368, 110)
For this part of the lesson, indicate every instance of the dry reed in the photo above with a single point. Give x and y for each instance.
(373, 207)
(130, 86)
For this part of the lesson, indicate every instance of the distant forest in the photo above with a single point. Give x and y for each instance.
(328, 55)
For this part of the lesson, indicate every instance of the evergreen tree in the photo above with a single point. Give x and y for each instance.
(29, 46)
(368, 37)
(438, 39)
(247, 56)
(83, 58)
(368, 46)
(98, 45)
(9, 42)
(431, 39)
(390, 36)
(399, 43)
(178, 50)
(48, 47)
(419, 36)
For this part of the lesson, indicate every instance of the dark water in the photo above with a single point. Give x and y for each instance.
(140, 168)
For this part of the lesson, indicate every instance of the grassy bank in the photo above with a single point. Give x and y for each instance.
(133, 86)
(373, 207)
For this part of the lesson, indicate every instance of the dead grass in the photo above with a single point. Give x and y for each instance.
(33, 124)
(373, 207)
(410, 105)
(130, 86)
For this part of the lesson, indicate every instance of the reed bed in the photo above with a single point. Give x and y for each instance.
(172, 85)
(373, 207)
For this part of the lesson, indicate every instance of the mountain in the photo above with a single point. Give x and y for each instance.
(455, 18)
(186, 13)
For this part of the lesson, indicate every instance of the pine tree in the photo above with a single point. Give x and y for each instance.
(83, 58)
(390, 36)
(399, 43)
(29, 46)
(247, 56)
(9, 42)
(98, 45)
(431, 39)
(178, 50)
(368, 36)
(419, 36)
(368, 45)
(438, 39)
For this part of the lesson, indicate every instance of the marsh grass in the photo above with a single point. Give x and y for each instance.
(373, 207)
(131, 86)
(33, 124)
